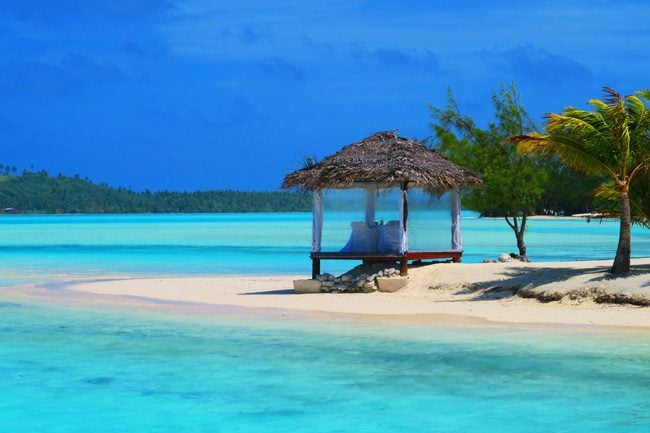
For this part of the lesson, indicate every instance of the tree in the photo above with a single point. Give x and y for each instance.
(569, 192)
(40, 193)
(639, 194)
(613, 139)
(640, 199)
(513, 183)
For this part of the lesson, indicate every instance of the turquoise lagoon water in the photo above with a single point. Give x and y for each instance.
(81, 370)
(40, 247)
(66, 370)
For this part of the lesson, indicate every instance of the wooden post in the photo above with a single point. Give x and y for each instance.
(315, 267)
(404, 267)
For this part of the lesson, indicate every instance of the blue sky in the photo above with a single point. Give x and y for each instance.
(209, 94)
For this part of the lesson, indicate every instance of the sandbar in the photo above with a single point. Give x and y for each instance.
(559, 293)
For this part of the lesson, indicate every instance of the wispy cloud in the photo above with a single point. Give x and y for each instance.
(396, 58)
(64, 78)
(188, 72)
(280, 68)
(536, 64)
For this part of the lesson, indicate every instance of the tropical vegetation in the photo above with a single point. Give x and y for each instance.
(37, 192)
(612, 140)
(514, 184)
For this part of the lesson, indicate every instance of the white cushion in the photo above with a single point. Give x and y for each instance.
(390, 238)
(363, 239)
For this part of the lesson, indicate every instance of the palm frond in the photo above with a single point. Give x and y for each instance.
(597, 103)
(591, 127)
(607, 191)
(612, 97)
(640, 128)
(572, 152)
(636, 108)
(639, 205)
(645, 94)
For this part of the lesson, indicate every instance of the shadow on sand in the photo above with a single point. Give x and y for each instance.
(271, 292)
(523, 281)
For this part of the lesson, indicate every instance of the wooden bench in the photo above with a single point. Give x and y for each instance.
(403, 259)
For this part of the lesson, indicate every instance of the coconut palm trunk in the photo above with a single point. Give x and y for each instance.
(622, 260)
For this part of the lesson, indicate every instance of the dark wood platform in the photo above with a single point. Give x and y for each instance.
(403, 259)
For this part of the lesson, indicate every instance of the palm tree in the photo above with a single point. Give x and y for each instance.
(613, 139)
(639, 194)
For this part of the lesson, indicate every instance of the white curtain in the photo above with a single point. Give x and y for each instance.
(371, 204)
(317, 222)
(403, 224)
(456, 241)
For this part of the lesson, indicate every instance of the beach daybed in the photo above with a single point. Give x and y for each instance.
(379, 165)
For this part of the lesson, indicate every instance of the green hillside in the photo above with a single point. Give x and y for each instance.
(41, 193)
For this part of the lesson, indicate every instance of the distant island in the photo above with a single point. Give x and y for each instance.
(38, 192)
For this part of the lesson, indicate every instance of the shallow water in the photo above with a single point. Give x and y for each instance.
(68, 370)
(41, 247)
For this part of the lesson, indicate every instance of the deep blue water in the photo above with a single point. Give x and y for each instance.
(67, 370)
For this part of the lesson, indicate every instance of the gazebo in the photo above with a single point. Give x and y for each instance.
(383, 161)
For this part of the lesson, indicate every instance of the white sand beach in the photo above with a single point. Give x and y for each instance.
(573, 293)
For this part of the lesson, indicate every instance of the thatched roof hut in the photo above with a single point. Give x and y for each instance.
(387, 159)
(382, 161)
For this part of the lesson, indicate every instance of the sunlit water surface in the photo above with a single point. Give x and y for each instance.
(75, 370)
(66, 370)
(41, 247)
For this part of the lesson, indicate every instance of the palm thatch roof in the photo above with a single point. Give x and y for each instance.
(387, 159)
